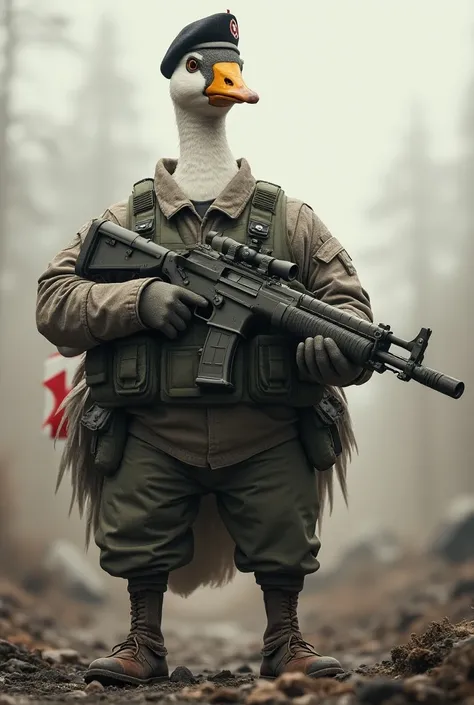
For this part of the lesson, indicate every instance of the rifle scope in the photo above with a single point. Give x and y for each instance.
(243, 253)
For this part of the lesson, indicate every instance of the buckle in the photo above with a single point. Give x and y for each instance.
(145, 226)
(96, 418)
(329, 409)
(258, 229)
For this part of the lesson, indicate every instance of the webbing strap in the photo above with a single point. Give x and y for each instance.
(143, 207)
(145, 217)
(265, 223)
(261, 216)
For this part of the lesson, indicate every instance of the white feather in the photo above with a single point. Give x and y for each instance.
(205, 164)
(205, 167)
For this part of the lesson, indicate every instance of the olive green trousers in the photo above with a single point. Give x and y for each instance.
(268, 503)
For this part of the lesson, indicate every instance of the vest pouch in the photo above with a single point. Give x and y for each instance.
(319, 433)
(98, 368)
(270, 372)
(273, 373)
(110, 444)
(179, 370)
(108, 429)
(136, 370)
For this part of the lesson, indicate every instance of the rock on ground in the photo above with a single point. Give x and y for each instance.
(404, 635)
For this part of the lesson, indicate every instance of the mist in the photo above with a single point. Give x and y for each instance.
(365, 113)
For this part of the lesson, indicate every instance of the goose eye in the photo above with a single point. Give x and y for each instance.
(192, 65)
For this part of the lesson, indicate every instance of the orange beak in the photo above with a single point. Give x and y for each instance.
(228, 86)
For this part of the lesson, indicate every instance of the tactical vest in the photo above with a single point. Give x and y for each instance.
(148, 368)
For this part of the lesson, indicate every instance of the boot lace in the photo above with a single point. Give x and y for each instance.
(287, 630)
(131, 642)
(135, 637)
(296, 643)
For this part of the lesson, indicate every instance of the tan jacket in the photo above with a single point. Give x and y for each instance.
(76, 313)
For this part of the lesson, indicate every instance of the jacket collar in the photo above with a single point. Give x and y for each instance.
(231, 201)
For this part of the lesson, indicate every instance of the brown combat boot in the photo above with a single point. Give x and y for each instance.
(284, 649)
(141, 658)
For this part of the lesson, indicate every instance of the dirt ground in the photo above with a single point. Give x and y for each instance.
(403, 633)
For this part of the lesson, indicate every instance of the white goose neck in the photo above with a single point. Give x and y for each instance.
(206, 164)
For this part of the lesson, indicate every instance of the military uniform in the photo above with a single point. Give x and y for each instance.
(214, 439)
(250, 455)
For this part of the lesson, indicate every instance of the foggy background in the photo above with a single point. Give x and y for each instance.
(366, 113)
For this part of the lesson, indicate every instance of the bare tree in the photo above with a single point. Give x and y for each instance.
(27, 136)
(6, 80)
(101, 150)
(407, 257)
(460, 295)
(23, 135)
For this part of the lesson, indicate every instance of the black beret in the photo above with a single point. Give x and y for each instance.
(219, 30)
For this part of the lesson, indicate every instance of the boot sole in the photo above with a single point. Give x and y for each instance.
(323, 673)
(111, 678)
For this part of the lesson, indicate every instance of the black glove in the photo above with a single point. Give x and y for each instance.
(320, 360)
(165, 307)
(70, 352)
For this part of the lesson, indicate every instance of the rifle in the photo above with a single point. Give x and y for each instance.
(244, 286)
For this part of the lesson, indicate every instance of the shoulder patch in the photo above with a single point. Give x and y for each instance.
(328, 250)
(347, 262)
(332, 248)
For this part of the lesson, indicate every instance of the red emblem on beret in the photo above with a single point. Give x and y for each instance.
(234, 30)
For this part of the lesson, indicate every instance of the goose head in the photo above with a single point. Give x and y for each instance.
(209, 82)
(204, 66)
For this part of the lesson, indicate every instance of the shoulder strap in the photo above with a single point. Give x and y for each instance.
(267, 226)
(141, 208)
(145, 216)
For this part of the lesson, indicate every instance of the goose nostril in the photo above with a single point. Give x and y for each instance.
(228, 82)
